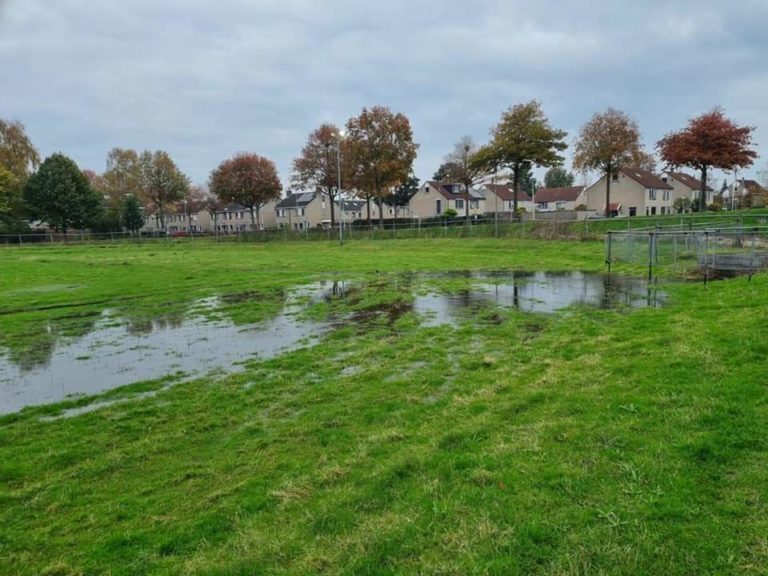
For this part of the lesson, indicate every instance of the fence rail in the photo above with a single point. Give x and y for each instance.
(453, 228)
(555, 224)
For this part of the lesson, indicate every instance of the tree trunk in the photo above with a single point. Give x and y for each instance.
(466, 204)
(162, 215)
(515, 186)
(368, 204)
(608, 176)
(381, 210)
(331, 199)
(703, 197)
(253, 220)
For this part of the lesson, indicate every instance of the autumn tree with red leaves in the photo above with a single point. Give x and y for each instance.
(249, 180)
(317, 167)
(381, 149)
(709, 141)
(608, 142)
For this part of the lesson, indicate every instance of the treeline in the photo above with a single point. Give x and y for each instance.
(370, 158)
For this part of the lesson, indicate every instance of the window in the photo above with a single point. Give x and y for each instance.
(459, 204)
(651, 194)
(633, 210)
(300, 211)
(474, 204)
(615, 176)
(666, 195)
(653, 210)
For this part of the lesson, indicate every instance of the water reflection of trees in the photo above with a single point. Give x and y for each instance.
(141, 325)
(34, 347)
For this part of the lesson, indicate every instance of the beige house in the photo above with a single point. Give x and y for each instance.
(178, 221)
(302, 211)
(305, 210)
(739, 190)
(237, 218)
(499, 198)
(634, 192)
(558, 199)
(434, 198)
(686, 186)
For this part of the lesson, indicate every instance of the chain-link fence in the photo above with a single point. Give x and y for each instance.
(432, 228)
(703, 252)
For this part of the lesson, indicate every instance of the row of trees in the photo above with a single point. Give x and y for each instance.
(610, 141)
(372, 157)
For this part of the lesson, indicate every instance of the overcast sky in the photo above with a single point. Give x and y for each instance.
(204, 80)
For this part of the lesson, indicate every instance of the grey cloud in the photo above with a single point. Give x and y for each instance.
(204, 80)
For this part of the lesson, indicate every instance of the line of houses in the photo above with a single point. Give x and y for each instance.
(634, 192)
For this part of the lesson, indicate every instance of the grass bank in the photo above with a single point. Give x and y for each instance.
(585, 442)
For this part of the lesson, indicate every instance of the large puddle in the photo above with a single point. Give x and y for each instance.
(537, 292)
(115, 352)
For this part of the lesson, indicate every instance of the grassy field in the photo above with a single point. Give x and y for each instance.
(584, 442)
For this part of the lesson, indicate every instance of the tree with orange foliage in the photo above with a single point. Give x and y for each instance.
(317, 165)
(247, 179)
(382, 152)
(608, 142)
(709, 141)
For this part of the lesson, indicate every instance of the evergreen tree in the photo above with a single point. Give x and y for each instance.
(59, 194)
(558, 177)
(133, 214)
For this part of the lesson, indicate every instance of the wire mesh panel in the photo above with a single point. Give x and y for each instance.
(714, 253)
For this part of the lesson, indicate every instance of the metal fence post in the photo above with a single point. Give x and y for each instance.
(608, 240)
(706, 257)
(651, 250)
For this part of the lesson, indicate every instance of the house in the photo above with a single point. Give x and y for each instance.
(634, 192)
(434, 198)
(500, 198)
(236, 218)
(686, 186)
(302, 210)
(353, 210)
(738, 191)
(557, 199)
(177, 220)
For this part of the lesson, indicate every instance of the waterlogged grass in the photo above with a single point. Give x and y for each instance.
(586, 442)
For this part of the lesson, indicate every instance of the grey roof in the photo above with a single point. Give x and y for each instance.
(445, 188)
(297, 200)
(352, 205)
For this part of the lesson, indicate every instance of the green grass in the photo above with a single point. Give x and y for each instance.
(587, 442)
